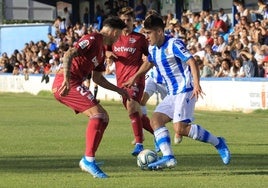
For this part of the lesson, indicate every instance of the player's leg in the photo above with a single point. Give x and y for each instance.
(163, 141)
(161, 116)
(177, 136)
(145, 98)
(162, 90)
(197, 132)
(81, 100)
(134, 112)
(98, 121)
(145, 120)
(133, 108)
(185, 107)
(148, 92)
(150, 88)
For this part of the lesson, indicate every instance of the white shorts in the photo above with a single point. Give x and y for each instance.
(151, 87)
(178, 107)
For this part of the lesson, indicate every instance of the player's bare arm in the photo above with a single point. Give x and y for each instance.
(196, 77)
(110, 55)
(99, 79)
(145, 67)
(67, 60)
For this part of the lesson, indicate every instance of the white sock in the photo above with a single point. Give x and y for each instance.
(90, 159)
(144, 110)
(162, 138)
(199, 133)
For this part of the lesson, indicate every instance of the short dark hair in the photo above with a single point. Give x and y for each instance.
(114, 22)
(154, 21)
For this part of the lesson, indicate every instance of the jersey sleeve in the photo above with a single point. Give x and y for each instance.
(150, 57)
(91, 47)
(85, 44)
(180, 50)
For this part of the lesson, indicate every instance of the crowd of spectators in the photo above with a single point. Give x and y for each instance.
(220, 49)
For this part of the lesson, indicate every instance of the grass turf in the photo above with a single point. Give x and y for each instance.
(42, 141)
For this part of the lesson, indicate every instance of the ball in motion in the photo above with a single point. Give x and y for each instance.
(146, 157)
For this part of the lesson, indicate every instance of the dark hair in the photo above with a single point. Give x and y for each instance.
(154, 21)
(114, 22)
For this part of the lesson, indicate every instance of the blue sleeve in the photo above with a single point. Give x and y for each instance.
(180, 51)
(150, 58)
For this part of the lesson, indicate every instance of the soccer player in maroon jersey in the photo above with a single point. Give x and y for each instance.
(127, 54)
(87, 56)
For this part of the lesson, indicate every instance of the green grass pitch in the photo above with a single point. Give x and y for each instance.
(42, 141)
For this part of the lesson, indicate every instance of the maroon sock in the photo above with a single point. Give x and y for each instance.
(146, 124)
(136, 126)
(94, 134)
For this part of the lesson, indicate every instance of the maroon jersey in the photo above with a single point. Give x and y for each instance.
(91, 56)
(129, 50)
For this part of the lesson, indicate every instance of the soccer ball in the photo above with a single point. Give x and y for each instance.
(146, 157)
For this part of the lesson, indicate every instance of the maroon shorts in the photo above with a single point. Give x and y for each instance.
(79, 98)
(135, 93)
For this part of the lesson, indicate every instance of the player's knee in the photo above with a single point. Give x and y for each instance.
(103, 116)
(155, 124)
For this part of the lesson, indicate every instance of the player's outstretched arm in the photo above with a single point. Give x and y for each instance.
(142, 71)
(196, 77)
(100, 80)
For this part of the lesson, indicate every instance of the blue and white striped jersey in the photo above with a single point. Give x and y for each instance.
(155, 74)
(170, 60)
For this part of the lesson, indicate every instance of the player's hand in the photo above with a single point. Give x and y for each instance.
(109, 61)
(144, 58)
(64, 88)
(197, 92)
(110, 55)
(129, 83)
(123, 93)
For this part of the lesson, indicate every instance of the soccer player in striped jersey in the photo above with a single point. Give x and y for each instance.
(181, 74)
(154, 83)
